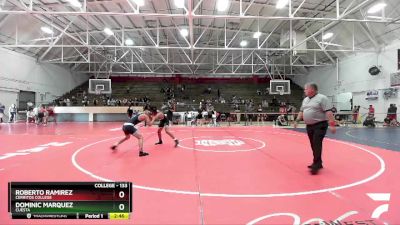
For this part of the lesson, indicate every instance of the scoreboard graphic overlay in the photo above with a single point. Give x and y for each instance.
(70, 200)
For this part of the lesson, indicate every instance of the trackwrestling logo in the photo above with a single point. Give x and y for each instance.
(228, 142)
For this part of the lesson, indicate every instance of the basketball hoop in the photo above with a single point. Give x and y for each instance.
(279, 87)
(99, 86)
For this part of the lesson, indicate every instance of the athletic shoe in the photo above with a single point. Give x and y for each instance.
(315, 168)
(176, 143)
(311, 165)
(142, 153)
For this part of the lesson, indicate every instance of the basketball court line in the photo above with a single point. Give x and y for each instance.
(202, 207)
(348, 133)
(370, 137)
(221, 151)
(197, 180)
(297, 220)
(225, 195)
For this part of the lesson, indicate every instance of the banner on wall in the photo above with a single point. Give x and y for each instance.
(344, 101)
(390, 93)
(372, 95)
(395, 79)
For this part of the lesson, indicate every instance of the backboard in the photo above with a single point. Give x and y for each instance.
(100, 85)
(279, 87)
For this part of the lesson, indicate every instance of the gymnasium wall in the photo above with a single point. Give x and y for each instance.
(354, 77)
(21, 72)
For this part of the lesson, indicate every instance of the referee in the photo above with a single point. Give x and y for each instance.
(315, 112)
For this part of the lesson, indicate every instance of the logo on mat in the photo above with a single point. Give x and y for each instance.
(228, 142)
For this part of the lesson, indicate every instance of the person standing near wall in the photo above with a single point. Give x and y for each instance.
(29, 105)
(371, 110)
(2, 109)
(13, 112)
(315, 112)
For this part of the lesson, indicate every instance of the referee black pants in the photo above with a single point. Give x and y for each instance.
(316, 133)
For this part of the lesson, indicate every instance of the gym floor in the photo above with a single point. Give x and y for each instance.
(217, 175)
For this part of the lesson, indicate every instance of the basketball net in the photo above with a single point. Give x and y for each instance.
(98, 91)
(280, 92)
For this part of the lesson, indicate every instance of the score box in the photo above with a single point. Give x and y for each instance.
(69, 200)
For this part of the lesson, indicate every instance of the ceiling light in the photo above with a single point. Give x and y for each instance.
(108, 31)
(222, 5)
(180, 4)
(243, 43)
(327, 36)
(331, 44)
(375, 17)
(139, 2)
(281, 3)
(75, 3)
(257, 34)
(184, 32)
(376, 8)
(47, 30)
(380, 17)
(128, 41)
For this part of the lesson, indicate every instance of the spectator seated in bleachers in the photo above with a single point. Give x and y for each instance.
(274, 102)
(266, 91)
(264, 103)
(85, 102)
(369, 121)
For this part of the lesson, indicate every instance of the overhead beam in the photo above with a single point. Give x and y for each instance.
(160, 15)
(333, 23)
(55, 41)
(178, 47)
(326, 53)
